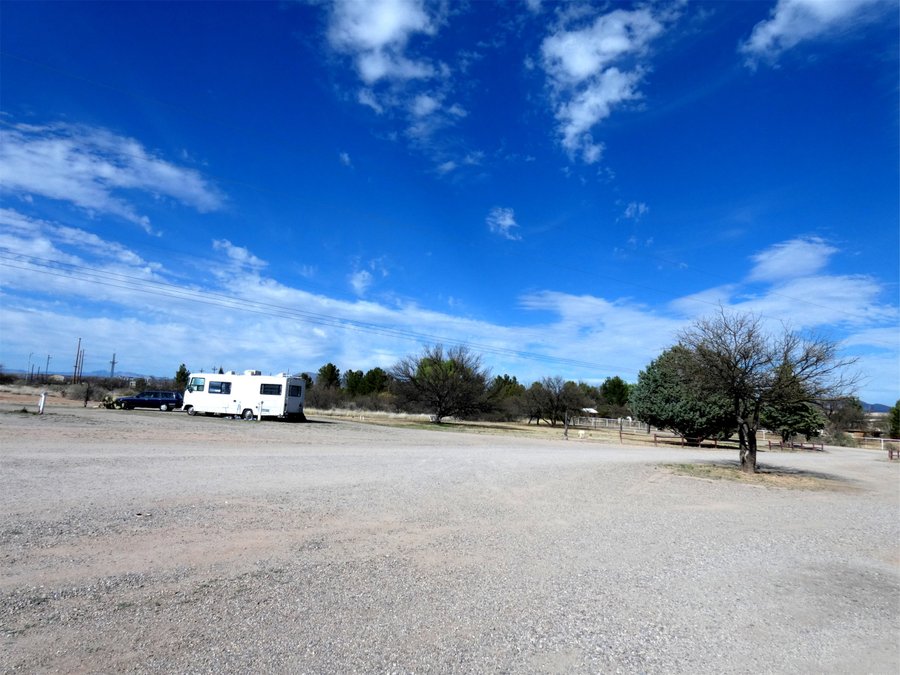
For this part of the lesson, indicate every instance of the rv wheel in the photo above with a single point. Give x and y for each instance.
(247, 414)
(190, 410)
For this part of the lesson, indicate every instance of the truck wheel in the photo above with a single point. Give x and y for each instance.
(247, 414)
(190, 410)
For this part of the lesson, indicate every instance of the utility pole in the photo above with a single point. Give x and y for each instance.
(30, 371)
(47, 368)
(112, 366)
(77, 357)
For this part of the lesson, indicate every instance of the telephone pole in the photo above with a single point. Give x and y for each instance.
(112, 366)
(77, 359)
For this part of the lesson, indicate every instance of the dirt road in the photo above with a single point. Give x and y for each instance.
(156, 542)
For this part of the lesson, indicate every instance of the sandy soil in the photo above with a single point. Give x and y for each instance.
(145, 541)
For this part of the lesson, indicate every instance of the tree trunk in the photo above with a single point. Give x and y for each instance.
(747, 447)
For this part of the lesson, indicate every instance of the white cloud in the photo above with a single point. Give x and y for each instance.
(876, 337)
(95, 170)
(238, 254)
(585, 82)
(116, 300)
(821, 300)
(368, 98)
(344, 158)
(375, 66)
(424, 104)
(502, 221)
(360, 281)
(457, 111)
(794, 21)
(791, 259)
(376, 33)
(362, 278)
(33, 237)
(635, 210)
(572, 57)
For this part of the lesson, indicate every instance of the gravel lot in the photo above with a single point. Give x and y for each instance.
(154, 542)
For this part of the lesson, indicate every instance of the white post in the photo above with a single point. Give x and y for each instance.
(259, 416)
(41, 403)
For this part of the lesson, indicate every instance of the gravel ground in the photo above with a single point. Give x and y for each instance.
(154, 542)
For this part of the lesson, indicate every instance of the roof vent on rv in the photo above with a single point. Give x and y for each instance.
(231, 372)
(252, 372)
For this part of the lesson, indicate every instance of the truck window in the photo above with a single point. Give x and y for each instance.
(270, 389)
(219, 387)
(197, 384)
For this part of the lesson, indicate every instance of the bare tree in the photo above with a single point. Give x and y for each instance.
(556, 397)
(451, 383)
(752, 369)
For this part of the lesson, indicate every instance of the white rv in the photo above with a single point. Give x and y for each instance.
(251, 395)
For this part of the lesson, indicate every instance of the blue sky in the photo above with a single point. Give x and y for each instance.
(563, 187)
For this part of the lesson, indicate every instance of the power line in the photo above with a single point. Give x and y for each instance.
(164, 289)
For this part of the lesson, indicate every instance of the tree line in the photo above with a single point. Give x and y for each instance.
(726, 376)
(453, 382)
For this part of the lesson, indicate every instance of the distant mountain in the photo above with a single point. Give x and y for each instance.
(875, 407)
(105, 373)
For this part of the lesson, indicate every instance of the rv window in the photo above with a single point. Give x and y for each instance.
(294, 390)
(197, 383)
(270, 389)
(220, 387)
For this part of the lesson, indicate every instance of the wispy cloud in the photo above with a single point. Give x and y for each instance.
(47, 259)
(791, 259)
(591, 70)
(794, 21)
(29, 236)
(238, 255)
(424, 104)
(388, 42)
(96, 170)
(636, 210)
(364, 275)
(502, 221)
(263, 322)
(360, 281)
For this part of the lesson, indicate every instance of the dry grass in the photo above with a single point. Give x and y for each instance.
(765, 476)
(450, 425)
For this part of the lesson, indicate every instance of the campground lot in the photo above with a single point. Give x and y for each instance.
(156, 542)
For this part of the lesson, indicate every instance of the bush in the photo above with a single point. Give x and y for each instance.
(86, 391)
(843, 439)
(323, 398)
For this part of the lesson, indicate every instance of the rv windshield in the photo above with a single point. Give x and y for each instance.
(197, 384)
